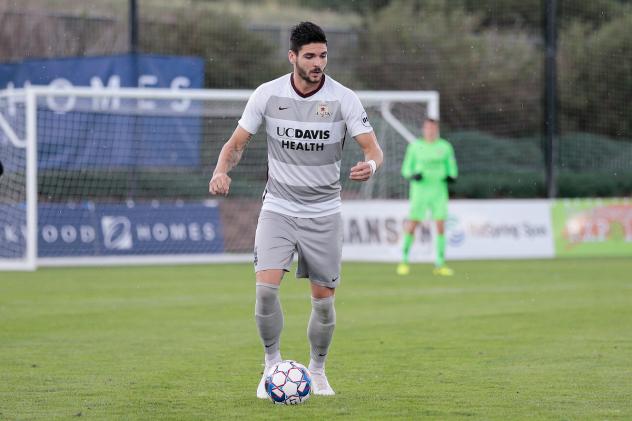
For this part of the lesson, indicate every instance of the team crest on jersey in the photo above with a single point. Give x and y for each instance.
(323, 110)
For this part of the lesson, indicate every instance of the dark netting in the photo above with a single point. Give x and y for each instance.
(485, 58)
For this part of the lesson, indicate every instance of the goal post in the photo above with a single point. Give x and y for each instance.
(18, 184)
(120, 176)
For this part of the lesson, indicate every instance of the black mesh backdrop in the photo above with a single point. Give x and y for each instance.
(485, 58)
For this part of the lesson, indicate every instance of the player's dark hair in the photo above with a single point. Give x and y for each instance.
(306, 33)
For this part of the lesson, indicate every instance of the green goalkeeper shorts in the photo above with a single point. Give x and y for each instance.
(437, 210)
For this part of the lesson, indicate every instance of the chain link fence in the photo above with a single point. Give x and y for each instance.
(485, 58)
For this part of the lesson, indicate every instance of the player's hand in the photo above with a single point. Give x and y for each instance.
(219, 184)
(417, 177)
(361, 171)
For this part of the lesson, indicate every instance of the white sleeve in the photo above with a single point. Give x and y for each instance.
(252, 116)
(354, 115)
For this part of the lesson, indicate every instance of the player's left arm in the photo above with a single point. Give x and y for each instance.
(451, 167)
(373, 157)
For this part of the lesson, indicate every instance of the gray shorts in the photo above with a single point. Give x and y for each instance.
(318, 242)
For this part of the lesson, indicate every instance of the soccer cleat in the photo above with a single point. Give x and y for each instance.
(261, 389)
(320, 384)
(403, 269)
(443, 271)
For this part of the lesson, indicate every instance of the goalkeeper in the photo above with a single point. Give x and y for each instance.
(429, 165)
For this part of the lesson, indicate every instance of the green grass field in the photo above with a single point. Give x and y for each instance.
(503, 340)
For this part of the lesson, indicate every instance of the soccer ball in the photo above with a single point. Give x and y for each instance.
(288, 383)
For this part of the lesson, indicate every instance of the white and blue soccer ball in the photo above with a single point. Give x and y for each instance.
(288, 383)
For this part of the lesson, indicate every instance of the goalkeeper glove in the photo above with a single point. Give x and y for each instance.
(450, 179)
(416, 177)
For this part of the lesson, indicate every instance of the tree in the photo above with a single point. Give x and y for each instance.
(596, 77)
(488, 79)
(357, 6)
(528, 14)
(234, 57)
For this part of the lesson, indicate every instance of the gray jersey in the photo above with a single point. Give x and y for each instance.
(305, 138)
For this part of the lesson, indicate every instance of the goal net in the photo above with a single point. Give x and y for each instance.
(120, 176)
(17, 217)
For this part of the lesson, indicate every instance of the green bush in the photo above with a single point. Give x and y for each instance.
(595, 184)
(484, 152)
(585, 152)
(499, 185)
(586, 166)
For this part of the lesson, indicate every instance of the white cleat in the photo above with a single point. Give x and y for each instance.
(320, 384)
(261, 389)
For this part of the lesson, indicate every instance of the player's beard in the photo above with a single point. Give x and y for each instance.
(313, 76)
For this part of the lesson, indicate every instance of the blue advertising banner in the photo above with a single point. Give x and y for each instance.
(119, 230)
(12, 231)
(107, 132)
(115, 71)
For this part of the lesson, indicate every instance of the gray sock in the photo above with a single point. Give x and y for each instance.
(269, 317)
(321, 330)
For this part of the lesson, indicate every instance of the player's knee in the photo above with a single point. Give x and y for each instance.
(267, 297)
(324, 309)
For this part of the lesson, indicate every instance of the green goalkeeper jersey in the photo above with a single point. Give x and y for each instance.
(435, 162)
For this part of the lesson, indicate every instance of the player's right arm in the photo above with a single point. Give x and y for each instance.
(233, 149)
(408, 165)
(228, 159)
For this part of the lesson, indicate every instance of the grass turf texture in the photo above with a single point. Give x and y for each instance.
(500, 340)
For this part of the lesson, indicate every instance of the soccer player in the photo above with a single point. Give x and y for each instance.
(307, 115)
(429, 165)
